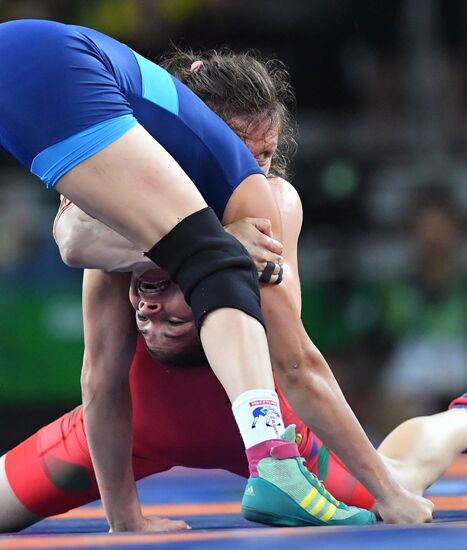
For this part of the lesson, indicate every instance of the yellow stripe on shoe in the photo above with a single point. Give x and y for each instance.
(330, 512)
(287, 494)
(309, 497)
(321, 502)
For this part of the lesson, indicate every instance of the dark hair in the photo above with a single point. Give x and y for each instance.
(242, 85)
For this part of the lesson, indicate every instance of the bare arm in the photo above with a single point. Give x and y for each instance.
(87, 243)
(109, 349)
(303, 373)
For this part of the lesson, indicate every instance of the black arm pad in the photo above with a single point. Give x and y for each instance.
(211, 267)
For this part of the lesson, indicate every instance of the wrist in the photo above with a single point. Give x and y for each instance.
(123, 508)
(131, 521)
(387, 489)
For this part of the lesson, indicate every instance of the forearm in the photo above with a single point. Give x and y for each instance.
(320, 403)
(85, 242)
(109, 336)
(107, 250)
(109, 437)
(313, 392)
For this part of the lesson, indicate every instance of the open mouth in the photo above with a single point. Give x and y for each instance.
(151, 287)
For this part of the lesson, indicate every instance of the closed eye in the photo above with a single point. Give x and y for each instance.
(175, 323)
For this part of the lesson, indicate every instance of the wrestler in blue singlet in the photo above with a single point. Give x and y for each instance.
(67, 92)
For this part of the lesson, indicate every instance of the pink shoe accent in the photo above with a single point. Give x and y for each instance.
(458, 402)
(276, 448)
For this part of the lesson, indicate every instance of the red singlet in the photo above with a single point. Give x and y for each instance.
(51, 472)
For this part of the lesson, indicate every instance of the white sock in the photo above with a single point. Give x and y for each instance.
(258, 416)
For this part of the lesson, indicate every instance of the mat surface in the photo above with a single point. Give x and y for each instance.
(209, 501)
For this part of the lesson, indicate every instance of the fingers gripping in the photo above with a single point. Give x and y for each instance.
(272, 274)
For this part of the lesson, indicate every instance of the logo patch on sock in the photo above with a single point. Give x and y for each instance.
(258, 416)
(270, 414)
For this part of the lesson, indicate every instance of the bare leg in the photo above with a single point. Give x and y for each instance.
(225, 364)
(13, 515)
(420, 450)
(135, 187)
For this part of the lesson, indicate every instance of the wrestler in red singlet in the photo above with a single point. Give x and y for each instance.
(51, 472)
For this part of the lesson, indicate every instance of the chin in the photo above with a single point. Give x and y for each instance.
(191, 356)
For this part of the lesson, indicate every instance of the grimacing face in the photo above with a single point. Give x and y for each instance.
(165, 320)
(162, 315)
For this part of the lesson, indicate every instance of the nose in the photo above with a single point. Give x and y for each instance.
(147, 309)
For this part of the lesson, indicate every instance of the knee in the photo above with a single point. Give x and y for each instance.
(211, 267)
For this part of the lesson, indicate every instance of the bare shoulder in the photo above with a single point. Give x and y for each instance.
(287, 198)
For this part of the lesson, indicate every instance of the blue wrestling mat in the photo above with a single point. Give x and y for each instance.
(209, 501)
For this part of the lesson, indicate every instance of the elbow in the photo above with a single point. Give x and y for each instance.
(69, 237)
(89, 383)
(71, 253)
(301, 367)
(98, 384)
(93, 384)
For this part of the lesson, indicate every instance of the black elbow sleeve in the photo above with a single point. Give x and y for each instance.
(211, 267)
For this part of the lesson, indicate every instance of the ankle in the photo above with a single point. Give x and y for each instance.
(272, 448)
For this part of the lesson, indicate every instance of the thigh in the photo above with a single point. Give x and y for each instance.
(135, 187)
(13, 514)
(51, 472)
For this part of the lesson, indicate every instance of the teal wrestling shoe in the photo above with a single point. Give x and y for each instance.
(286, 494)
